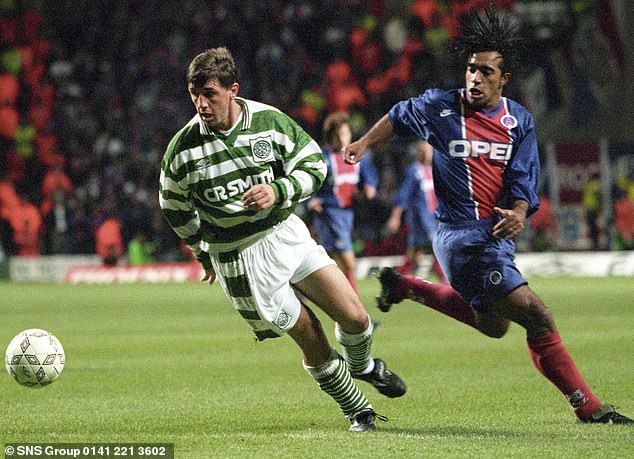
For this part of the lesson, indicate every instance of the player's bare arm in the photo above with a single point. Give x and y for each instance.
(380, 132)
(259, 197)
(513, 220)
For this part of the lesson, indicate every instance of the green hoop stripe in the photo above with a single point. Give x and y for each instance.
(238, 287)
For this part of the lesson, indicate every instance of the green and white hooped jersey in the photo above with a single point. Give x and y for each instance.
(204, 174)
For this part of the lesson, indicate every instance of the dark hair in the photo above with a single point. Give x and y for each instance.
(492, 32)
(212, 64)
(332, 123)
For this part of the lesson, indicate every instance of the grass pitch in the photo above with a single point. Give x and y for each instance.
(175, 363)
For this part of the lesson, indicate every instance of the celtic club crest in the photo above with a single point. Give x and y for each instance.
(262, 149)
(282, 320)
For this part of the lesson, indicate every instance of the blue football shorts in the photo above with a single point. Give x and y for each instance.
(478, 266)
(334, 228)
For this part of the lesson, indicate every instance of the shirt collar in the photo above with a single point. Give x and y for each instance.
(490, 112)
(247, 116)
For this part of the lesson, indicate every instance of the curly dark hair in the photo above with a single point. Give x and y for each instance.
(491, 32)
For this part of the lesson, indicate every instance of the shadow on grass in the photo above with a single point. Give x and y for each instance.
(459, 431)
(424, 432)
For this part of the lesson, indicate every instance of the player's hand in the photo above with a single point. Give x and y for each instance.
(393, 224)
(259, 197)
(210, 276)
(353, 153)
(511, 225)
(314, 204)
(369, 192)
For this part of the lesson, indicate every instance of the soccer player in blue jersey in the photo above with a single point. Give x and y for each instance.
(416, 199)
(486, 172)
(333, 203)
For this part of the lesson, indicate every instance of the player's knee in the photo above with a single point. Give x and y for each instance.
(356, 319)
(361, 319)
(494, 329)
(497, 333)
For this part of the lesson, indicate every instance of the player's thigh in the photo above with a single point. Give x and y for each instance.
(329, 289)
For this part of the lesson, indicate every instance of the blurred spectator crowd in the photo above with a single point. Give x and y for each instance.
(92, 91)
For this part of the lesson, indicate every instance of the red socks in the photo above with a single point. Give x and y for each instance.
(553, 361)
(547, 352)
(443, 298)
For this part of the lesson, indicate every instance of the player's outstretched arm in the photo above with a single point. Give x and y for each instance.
(380, 132)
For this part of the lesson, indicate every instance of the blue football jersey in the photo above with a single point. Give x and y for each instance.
(343, 180)
(482, 158)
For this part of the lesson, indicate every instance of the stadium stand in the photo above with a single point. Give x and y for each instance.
(91, 92)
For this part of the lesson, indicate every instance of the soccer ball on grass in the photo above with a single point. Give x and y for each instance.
(34, 358)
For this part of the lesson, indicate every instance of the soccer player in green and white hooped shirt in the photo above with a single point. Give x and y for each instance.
(230, 180)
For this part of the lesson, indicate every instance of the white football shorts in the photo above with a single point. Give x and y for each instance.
(258, 279)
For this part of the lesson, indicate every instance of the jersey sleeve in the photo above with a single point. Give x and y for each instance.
(521, 177)
(177, 207)
(303, 164)
(408, 117)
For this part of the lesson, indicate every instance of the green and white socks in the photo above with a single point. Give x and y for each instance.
(356, 349)
(334, 378)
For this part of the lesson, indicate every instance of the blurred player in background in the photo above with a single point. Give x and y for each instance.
(486, 171)
(230, 180)
(417, 199)
(623, 220)
(333, 203)
(543, 224)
